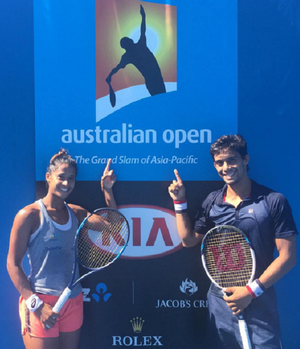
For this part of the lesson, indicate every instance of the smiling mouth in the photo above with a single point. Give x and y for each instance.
(64, 190)
(229, 174)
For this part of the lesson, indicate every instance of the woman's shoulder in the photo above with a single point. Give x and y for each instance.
(28, 217)
(80, 212)
(31, 209)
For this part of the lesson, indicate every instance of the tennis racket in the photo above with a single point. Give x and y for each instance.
(100, 239)
(229, 261)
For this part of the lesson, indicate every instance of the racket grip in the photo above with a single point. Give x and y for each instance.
(244, 334)
(62, 300)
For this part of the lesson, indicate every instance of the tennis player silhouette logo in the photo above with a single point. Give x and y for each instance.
(139, 55)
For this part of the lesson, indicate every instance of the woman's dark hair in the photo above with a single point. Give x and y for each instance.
(62, 157)
(231, 142)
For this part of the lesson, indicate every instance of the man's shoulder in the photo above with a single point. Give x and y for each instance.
(271, 196)
(212, 196)
(263, 190)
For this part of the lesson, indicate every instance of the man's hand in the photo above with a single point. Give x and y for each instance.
(239, 298)
(176, 188)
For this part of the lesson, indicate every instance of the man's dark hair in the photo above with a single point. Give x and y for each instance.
(230, 142)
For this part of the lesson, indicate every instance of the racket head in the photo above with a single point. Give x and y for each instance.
(101, 238)
(227, 257)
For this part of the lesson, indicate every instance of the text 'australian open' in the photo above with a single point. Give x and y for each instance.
(127, 134)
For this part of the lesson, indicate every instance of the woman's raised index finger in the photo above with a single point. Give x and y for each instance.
(177, 176)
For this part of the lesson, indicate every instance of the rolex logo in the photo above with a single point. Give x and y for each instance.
(137, 324)
(137, 340)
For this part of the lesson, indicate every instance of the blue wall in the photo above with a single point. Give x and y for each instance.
(268, 104)
(17, 143)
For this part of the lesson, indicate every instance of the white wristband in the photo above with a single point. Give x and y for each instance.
(180, 206)
(33, 302)
(256, 288)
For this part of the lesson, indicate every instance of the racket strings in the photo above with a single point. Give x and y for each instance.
(95, 254)
(101, 239)
(228, 258)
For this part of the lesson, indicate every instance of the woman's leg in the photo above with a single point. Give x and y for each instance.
(69, 340)
(41, 343)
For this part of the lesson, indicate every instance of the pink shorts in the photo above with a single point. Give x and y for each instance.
(71, 317)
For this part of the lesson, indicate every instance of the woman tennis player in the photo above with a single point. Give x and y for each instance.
(46, 230)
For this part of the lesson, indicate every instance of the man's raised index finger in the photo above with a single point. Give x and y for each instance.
(179, 180)
(107, 166)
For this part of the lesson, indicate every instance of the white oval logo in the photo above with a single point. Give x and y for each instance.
(153, 231)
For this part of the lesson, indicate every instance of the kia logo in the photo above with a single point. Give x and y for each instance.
(153, 231)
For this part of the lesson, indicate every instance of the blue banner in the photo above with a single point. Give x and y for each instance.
(147, 84)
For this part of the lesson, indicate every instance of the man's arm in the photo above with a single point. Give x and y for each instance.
(286, 260)
(188, 237)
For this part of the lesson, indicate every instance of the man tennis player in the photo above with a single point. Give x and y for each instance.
(266, 218)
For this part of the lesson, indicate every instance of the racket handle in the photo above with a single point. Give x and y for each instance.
(62, 300)
(244, 333)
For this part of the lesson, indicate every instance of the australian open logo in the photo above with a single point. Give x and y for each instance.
(136, 53)
(137, 340)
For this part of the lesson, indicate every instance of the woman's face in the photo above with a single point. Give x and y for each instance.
(62, 180)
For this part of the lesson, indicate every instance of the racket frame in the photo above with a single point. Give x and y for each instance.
(241, 321)
(67, 291)
(248, 242)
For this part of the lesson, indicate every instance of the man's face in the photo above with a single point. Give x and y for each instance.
(231, 166)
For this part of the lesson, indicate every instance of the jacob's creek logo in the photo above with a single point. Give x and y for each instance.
(153, 232)
(187, 287)
(137, 340)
